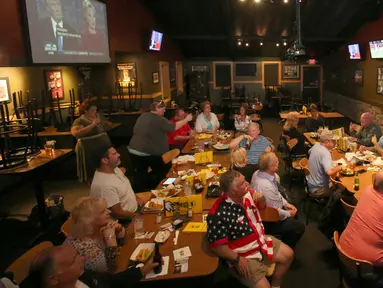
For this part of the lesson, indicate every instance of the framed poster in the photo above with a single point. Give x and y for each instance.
(156, 77)
(358, 77)
(4, 89)
(290, 71)
(379, 84)
(54, 83)
(127, 74)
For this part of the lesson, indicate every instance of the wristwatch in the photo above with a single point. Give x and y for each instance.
(236, 261)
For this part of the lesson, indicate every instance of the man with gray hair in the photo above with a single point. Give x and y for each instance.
(363, 236)
(236, 234)
(265, 181)
(367, 130)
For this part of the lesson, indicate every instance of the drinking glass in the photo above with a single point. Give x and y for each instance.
(49, 147)
(139, 225)
(188, 188)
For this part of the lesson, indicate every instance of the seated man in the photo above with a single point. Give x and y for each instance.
(110, 183)
(61, 266)
(264, 181)
(320, 165)
(363, 236)
(316, 120)
(178, 138)
(235, 233)
(367, 130)
(254, 143)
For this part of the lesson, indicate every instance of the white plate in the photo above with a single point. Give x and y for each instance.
(162, 236)
(157, 201)
(149, 246)
(221, 147)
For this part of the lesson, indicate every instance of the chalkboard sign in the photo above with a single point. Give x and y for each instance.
(222, 75)
(245, 69)
(271, 76)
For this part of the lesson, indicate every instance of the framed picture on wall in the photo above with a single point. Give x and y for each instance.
(127, 74)
(379, 85)
(290, 72)
(358, 77)
(4, 89)
(156, 78)
(54, 83)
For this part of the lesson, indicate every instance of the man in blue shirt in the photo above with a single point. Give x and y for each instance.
(265, 181)
(254, 143)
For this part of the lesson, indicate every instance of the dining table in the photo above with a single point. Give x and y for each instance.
(207, 144)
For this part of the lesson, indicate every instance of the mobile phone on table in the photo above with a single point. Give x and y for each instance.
(362, 171)
(169, 181)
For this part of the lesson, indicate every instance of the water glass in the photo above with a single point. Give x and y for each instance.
(188, 188)
(139, 225)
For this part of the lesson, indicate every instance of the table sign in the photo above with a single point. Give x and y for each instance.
(203, 157)
(181, 204)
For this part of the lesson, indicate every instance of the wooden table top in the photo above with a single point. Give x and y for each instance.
(312, 141)
(188, 149)
(200, 263)
(326, 115)
(36, 162)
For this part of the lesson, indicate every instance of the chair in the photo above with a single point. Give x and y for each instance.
(269, 214)
(347, 208)
(170, 155)
(20, 267)
(270, 140)
(354, 272)
(293, 160)
(303, 163)
(65, 228)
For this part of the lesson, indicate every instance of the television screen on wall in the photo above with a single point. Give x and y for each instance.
(376, 49)
(155, 41)
(67, 31)
(354, 51)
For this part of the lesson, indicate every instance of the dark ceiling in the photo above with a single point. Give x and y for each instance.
(213, 28)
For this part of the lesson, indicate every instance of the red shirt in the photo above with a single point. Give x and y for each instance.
(183, 131)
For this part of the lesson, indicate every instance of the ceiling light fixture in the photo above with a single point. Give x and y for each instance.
(286, 1)
(261, 43)
(247, 44)
(277, 44)
(239, 43)
(257, 1)
(284, 43)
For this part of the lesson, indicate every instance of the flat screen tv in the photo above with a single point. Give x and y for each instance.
(155, 41)
(354, 52)
(376, 49)
(67, 31)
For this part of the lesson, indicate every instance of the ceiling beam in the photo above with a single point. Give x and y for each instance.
(253, 38)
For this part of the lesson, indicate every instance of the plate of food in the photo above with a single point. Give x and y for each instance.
(203, 136)
(348, 172)
(142, 252)
(162, 236)
(154, 205)
(220, 146)
(313, 135)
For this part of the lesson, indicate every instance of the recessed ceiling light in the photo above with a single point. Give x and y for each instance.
(241, 0)
(261, 43)
(257, 1)
(239, 43)
(277, 44)
(285, 1)
(247, 44)
(284, 43)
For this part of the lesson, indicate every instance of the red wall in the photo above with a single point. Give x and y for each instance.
(129, 28)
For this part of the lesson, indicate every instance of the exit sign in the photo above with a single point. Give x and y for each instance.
(312, 61)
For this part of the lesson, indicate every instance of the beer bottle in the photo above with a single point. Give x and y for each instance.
(356, 182)
(157, 259)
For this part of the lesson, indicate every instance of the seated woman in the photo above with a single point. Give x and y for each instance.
(90, 130)
(291, 129)
(242, 121)
(238, 162)
(207, 121)
(316, 120)
(94, 235)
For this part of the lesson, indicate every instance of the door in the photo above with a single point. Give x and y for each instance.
(179, 78)
(311, 84)
(165, 81)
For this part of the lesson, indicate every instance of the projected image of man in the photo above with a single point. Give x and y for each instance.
(55, 30)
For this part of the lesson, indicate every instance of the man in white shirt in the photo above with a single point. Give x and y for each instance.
(110, 183)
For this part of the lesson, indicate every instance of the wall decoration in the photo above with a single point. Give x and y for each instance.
(4, 89)
(126, 74)
(54, 82)
(290, 72)
(358, 77)
(156, 78)
(200, 69)
(379, 86)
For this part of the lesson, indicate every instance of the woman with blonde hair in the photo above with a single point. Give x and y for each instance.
(94, 235)
(242, 121)
(290, 129)
(239, 162)
(207, 121)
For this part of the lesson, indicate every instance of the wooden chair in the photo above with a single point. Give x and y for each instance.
(270, 140)
(292, 161)
(170, 155)
(20, 267)
(351, 268)
(347, 208)
(66, 227)
(269, 214)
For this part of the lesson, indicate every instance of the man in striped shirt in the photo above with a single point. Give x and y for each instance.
(254, 143)
(236, 234)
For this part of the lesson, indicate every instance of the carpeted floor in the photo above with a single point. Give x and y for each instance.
(315, 264)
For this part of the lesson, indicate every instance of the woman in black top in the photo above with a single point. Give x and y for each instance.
(238, 160)
(291, 129)
(316, 120)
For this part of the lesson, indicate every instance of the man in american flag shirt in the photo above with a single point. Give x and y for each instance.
(236, 234)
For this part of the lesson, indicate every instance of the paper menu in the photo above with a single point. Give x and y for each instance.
(165, 268)
(182, 253)
(196, 227)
